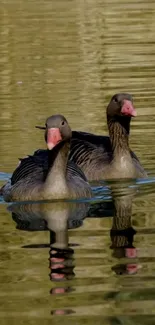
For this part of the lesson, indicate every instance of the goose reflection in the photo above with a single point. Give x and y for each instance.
(122, 233)
(57, 217)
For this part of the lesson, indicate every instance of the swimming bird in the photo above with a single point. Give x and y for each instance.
(49, 175)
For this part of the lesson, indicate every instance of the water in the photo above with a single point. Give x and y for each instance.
(70, 57)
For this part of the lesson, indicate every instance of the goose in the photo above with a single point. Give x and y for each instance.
(50, 177)
(109, 157)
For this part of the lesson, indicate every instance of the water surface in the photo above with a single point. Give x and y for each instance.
(70, 57)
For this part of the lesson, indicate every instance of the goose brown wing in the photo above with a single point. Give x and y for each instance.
(75, 171)
(138, 165)
(35, 166)
(81, 151)
(97, 140)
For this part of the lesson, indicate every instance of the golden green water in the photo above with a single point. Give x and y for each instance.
(70, 57)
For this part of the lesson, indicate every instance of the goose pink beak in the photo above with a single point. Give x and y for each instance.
(53, 137)
(128, 109)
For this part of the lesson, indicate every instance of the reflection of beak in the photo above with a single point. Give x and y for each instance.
(131, 252)
(53, 137)
(128, 109)
(133, 268)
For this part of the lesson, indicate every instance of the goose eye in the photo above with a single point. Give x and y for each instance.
(62, 123)
(115, 100)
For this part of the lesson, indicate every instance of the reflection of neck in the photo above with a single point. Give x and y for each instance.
(123, 212)
(122, 194)
(119, 129)
(60, 238)
(57, 223)
(122, 232)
